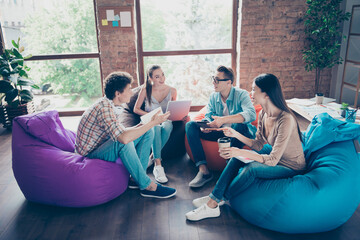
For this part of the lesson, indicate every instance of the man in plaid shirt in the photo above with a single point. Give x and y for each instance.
(100, 135)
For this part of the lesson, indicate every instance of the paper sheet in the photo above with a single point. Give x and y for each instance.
(125, 19)
(299, 101)
(104, 22)
(110, 15)
(317, 109)
(326, 100)
(147, 117)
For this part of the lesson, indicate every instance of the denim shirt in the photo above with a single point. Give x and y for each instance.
(237, 102)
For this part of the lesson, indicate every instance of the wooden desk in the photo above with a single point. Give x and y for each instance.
(309, 111)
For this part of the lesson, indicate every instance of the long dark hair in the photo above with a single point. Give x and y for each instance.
(270, 84)
(148, 85)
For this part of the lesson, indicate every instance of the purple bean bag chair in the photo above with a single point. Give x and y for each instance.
(48, 171)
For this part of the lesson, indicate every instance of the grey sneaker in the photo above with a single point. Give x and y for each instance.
(198, 202)
(200, 179)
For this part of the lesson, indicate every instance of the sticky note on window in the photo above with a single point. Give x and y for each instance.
(125, 19)
(110, 15)
(104, 22)
(115, 23)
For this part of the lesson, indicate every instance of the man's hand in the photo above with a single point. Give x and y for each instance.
(218, 122)
(159, 118)
(205, 130)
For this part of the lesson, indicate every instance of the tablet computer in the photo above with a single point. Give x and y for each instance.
(178, 109)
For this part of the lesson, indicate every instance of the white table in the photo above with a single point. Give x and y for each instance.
(308, 109)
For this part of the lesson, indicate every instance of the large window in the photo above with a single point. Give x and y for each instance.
(188, 39)
(350, 87)
(61, 36)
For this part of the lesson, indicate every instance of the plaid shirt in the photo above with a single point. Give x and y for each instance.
(97, 125)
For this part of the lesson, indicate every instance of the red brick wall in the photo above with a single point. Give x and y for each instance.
(118, 48)
(271, 41)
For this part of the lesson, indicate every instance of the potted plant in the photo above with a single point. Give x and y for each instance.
(323, 37)
(343, 108)
(15, 96)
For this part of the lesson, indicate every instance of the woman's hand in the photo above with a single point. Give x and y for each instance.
(229, 152)
(229, 132)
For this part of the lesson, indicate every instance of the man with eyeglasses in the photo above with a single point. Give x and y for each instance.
(228, 106)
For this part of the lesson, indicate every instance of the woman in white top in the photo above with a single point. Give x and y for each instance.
(156, 94)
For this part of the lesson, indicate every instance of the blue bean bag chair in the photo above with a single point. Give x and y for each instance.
(321, 199)
(48, 171)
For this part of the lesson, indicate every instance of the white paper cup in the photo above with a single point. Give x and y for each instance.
(224, 142)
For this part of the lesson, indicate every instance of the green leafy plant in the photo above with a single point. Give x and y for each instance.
(14, 76)
(323, 35)
(344, 106)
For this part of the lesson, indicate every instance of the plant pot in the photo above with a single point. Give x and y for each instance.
(319, 98)
(7, 113)
(343, 113)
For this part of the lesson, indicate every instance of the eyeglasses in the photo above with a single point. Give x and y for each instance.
(216, 80)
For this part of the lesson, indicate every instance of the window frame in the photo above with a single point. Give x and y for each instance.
(63, 56)
(2, 43)
(142, 53)
(353, 87)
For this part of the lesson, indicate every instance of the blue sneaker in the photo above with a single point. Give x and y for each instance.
(161, 192)
(133, 184)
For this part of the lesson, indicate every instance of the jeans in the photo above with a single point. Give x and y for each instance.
(194, 134)
(232, 181)
(162, 134)
(134, 156)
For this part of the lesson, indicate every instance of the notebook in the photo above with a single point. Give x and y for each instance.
(178, 109)
(245, 159)
(147, 117)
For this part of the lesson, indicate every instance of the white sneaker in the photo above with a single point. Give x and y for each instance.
(159, 174)
(151, 161)
(203, 212)
(198, 202)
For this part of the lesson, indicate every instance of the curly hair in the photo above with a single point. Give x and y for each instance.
(116, 81)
